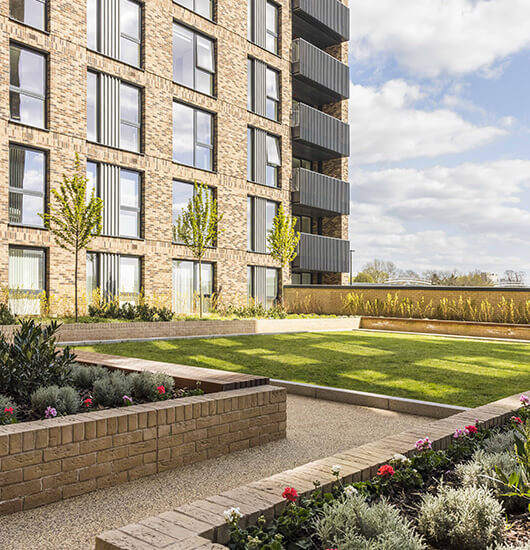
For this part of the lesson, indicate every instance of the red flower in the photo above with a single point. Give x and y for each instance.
(471, 429)
(386, 470)
(290, 494)
(516, 419)
(9, 410)
(87, 402)
(161, 390)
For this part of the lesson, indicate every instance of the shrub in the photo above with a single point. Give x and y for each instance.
(32, 361)
(145, 385)
(480, 472)
(64, 400)
(7, 416)
(353, 524)
(164, 314)
(499, 442)
(6, 317)
(109, 391)
(525, 546)
(461, 519)
(84, 377)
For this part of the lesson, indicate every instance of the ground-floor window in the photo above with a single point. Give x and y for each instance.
(26, 279)
(302, 278)
(186, 295)
(262, 285)
(113, 276)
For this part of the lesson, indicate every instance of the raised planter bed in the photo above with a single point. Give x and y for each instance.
(49, 460)
(201, 524)
(454, 328)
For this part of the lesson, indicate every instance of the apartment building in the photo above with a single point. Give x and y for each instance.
(247, 97)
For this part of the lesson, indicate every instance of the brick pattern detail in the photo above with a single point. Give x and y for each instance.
(50, 460)
(196, 525)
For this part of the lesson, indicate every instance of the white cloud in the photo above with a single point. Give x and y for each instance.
(386, 126)
(433, 37)
(466, 217)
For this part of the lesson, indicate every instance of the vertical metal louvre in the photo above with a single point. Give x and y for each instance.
(260, 156)
(260, 285)
(260, 222)
(110, 110)
(260, 18)
(109, 25)
(260, 87)
(109, 265)
(110, 189)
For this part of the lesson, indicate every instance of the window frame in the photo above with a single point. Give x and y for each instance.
(124, 122)
(46, 17)
(125, 36)
(269, 164)
(21, 91)
(137, 210)
(275, 35)
(194, 10)
(44, 288)
(19, 191)
(196, 67)
(195, 281)
(275, 102)
(97, 107)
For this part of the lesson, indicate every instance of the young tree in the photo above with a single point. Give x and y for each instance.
(198, 227)
(283, 241)
(74, 219)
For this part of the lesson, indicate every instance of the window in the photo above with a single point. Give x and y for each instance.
(182, 195)
(122, 33)
(30, 12)
(301, 163)
(129, 279)
(271, 25)
(273, 94)
(273, 160)
(301, 279)
(251, 176)
(303, 224)
(251, 79)
(260, 216)
(129, 117)
(92, 113)
(193, 59)
(262, 285)
(202, 7)
(27, 181)
(120, 190)
(26, 277)
(186, 295)
(130, 32)
(192, 136)
(27, 91)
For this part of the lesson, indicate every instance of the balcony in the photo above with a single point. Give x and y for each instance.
(319, 78)
(317, 135)
(322, 22)
(318, 253)
(314, 190)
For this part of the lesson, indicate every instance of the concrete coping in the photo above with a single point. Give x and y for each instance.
(201, 525)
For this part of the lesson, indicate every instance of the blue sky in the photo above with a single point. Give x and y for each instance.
(440, 133)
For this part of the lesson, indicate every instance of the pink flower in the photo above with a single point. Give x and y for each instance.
(459, 433)
(386, 470)
(516, 419)
(423, 444)
(161, 390)
(470, 430)
(290, 494)
(8, 410)
(525, 400)
(87, 402)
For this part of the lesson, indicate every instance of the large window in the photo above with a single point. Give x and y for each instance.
(29, 12)
(262, 285)
(186, 296)
(129, 279)
(273, 94)
(26, 280)
(192, 136)
(92, 111)
(202, 7)
(302, 278)
(272, 26)
(303, 224)
(263, 18)
(120, 190)
(129, 117)
(193, 59)
(263, 89)
(27, 90)
(260, 216)
(27, 184)
(121, 29)
(263, 157)
(273, 160)
(183, 193)
(301, 163)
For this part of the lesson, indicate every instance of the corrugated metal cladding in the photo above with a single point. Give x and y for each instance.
(260, 155)
(320, 191)
(109, 19)
(110, 193)
(332, 14)
(260, 87)
(109, 266)
(317, 253)
(260, 285)
(259, 20)
(320, 129)
(110, 110)
(322, 69)
(260, 225)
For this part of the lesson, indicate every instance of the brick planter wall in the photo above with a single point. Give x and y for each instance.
(49, 460)
(200, 525)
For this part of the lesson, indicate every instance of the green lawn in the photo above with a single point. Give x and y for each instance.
(446, 370)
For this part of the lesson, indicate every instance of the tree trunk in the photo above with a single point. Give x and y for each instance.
(75, 281)
(280, 289)
(200, 288)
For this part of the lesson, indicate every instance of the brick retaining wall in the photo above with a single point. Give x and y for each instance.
(194, 526)
(50, 460)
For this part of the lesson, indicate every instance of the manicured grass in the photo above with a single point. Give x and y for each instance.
(445, 370)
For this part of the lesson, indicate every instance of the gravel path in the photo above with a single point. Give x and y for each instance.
(316, 429)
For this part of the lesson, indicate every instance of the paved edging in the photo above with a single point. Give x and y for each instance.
(200, 525)
(374, 400)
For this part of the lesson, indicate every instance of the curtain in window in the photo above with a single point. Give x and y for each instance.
(25, 280)
(182, 287)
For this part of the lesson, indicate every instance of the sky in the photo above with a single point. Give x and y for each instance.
(440, 134)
